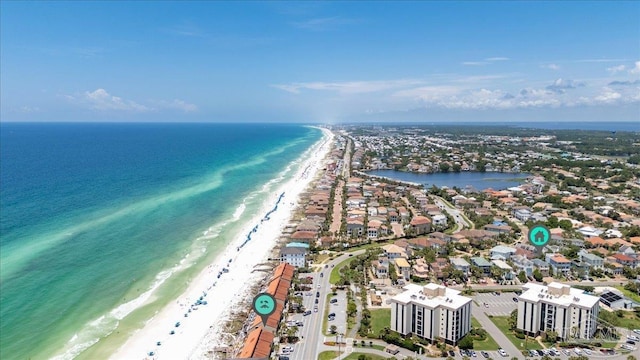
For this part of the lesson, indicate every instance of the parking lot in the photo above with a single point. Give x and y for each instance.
(497, 305)
(340, 309)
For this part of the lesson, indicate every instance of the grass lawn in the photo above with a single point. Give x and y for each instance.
(327, 355)
(320, 258)
(354, 356)
(368, 246)
(631, 295)
(502, 322)
(487, 344)
(380, 318)
(335, 272)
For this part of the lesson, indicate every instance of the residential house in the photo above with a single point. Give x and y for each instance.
(558, 263)
(625, 260)
(461, 264)
(296, 256)
(403, 268)
(393, 251)
(542, 266)
(420, 225)
(501, 252)
(591, 260)
(482, 263)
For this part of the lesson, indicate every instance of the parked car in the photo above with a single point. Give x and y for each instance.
(502, 352)
(473, 353)
(333, 301)
(587, 351)
(308, 312)
(485, 354)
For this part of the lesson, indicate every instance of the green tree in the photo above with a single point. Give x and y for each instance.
(522, 276)
(444, 167)
(537, 275)
(466, 342)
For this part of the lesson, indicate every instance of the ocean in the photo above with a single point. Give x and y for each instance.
(97, 219)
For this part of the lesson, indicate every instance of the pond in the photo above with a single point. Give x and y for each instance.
(477, 180)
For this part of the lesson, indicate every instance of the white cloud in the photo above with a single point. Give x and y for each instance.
(497, 58)
(474, 63)
(554, 67)
(616, 69)
(608, 96)
(560, 85)
(101, 100)
(636, 68)
(347, 87)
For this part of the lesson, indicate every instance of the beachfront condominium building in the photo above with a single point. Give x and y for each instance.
(296, 256)
(432, 312)
(569, 312)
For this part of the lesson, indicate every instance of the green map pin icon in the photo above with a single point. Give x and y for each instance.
(264, 305)
(539, 235)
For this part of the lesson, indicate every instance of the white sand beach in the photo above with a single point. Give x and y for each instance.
(196, 333)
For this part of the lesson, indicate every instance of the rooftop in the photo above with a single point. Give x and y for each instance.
(432, 296)
(558, 294)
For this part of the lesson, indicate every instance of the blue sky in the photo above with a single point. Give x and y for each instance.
(320, 61)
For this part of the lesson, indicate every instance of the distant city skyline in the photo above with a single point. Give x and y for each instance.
(320, 62)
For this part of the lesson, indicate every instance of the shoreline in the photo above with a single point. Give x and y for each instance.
(226, 282)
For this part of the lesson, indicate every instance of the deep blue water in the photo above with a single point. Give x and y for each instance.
(477, 180)
(91, 214)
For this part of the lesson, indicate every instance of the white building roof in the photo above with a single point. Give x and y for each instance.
(503, 249)
(502, 265)
(446, 297)
(459, 262)
(558, 294)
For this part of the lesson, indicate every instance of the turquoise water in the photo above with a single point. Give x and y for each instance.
(94, 216)
(478, 180)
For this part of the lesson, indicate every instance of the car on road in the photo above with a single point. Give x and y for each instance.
(318, 294)
(350, 255)
(485, 354)
(316, 300)
(315, 309)
(308, 312)
(321, 274)
(282, 357)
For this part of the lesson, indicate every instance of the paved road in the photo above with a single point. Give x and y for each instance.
(456, 214)
(492, 329)
(307, 348)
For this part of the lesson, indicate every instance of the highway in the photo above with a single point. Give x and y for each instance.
(307, 347)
